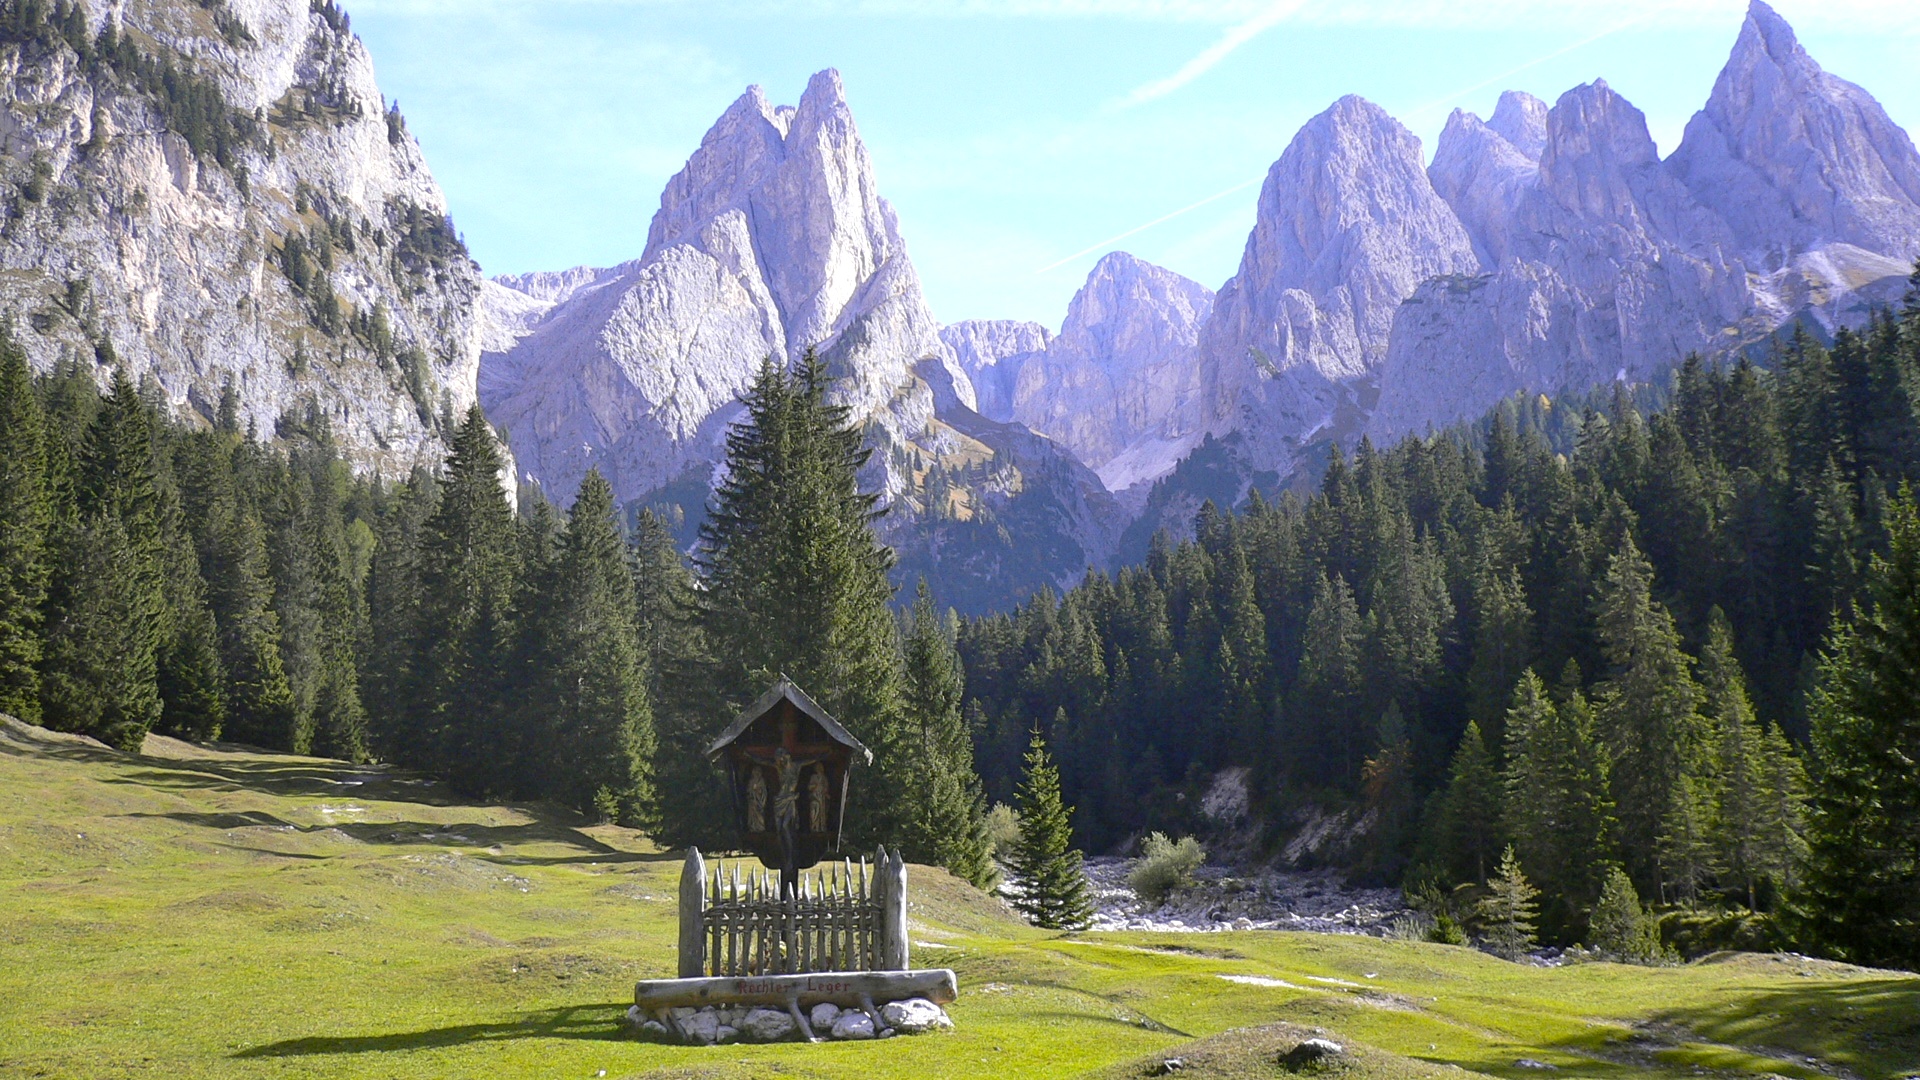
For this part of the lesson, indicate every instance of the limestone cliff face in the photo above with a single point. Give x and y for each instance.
(993, 352)
(1348, 226)
(1607, 268)
(1793, 157)
(139, 233)
(1121, 386)
(1793, 196)
(772, 240)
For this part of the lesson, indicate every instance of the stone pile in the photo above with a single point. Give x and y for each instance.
(718, 1025)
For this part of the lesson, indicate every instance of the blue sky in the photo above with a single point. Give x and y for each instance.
(1013, 134)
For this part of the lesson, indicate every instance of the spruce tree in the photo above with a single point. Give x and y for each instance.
(1559, 811)
(231, 546)
(1861, 896)
(1469, 822)
(1508, 911)
(796, 584)
(108, 606)
(1647, 706)
(393, 677)
(949, 824)
(1052, 882)
(1622, 929)
(1754, 834)
(1687, 855)
(464, 628)
(1329, 686)
(599, 738)
(25, 517)
(1502, 645)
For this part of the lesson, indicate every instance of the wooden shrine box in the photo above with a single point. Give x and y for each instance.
(787, 761)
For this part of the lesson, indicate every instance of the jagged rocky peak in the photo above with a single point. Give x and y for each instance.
(1598, 153)
(1484, 176)
(1521, 119)
(1122, 380)
(1348, 225)
(991, 352)
(772, 240)
(1793, 156)
(289, 240)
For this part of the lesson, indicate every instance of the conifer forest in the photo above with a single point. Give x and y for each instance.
(1652, 648)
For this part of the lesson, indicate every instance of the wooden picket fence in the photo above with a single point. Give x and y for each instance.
(842, 918)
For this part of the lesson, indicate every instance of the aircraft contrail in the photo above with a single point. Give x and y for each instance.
(1116, 238)
(1231, 40)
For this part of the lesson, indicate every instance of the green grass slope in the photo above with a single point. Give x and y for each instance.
(213, 912)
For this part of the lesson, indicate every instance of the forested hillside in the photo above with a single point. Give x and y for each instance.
(1604, 632)
(1587, 628)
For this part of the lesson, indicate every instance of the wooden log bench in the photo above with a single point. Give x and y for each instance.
(865, 990)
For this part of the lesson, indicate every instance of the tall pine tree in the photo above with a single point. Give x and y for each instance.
(949, 823)
(599, 738)
(1861, 897)
(1647, 707)
(1051, 877)
(25, 517)
(796, 583)
(465, 634)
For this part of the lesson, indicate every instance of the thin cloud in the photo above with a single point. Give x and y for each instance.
(1212, 55)
(1138, 229)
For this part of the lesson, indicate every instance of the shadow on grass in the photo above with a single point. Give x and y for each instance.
(590, 1023)
(288, 778)
(1871, 1025)
(457, 834)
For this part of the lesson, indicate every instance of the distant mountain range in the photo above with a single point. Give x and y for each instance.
(307, 263)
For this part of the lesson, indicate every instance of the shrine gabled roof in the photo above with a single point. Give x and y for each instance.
(798, 697)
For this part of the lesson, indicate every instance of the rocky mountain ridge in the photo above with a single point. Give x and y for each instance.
(772, 241)
(214, 195)
(1119, 386)
(1546, 250)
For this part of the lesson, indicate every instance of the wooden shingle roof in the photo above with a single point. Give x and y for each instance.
(785, 688)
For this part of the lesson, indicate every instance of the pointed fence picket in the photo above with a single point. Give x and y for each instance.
(841, 918)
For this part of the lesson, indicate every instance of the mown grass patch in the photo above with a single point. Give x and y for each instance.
(218, 912)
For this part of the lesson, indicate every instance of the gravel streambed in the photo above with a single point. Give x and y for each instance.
(1230, 898)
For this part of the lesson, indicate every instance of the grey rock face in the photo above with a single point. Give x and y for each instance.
(1607, 267)
(772, 240)
(122, 234)
(1793, 157)
(992, 353)
(1484, 176)
(1122, 386)
(1348, 226)
(1793, 195)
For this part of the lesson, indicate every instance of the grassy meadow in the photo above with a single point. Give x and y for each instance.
(214, 912)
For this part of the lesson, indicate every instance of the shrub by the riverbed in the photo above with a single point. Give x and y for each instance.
(1165, 865)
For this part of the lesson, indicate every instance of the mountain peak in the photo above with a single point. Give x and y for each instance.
(1521, 119)
(825, 91)
(1793, 156)
(1765, 29)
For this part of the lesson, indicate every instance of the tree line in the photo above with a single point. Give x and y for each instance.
(1667, 646)
(188, 578)
(1605, 632)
